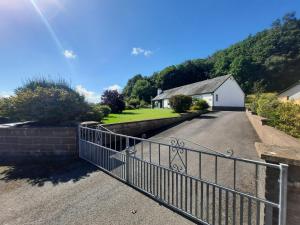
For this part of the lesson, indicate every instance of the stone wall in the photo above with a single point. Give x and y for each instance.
(270, 135)
(291, 157)
(18, 143)
(43, 143)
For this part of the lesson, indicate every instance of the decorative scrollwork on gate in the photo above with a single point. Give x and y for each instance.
(177, 155)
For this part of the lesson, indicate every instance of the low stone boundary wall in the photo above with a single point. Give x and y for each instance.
(270, 135)
(278, 147)
(291, 157)
(17, 143)
(140, 127)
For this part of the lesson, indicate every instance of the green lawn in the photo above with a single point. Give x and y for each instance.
(139, 114)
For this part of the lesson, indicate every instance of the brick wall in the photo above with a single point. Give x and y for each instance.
(19, 143)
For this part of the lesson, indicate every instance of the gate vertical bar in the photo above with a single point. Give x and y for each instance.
(127, 160)
(283, 193)
(79, 140)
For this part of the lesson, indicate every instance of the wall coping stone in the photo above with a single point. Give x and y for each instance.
(270, 135)
(278, 154)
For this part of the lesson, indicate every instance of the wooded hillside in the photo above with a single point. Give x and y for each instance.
(271, 57)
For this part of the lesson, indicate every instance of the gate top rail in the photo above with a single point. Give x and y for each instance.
(192, 150)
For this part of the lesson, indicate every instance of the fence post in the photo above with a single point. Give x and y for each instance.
(283, 193)
(79, 140)
(127, 165)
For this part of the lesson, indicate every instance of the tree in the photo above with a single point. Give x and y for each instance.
(114, 100)
(272, 55)
(143, 90)
(130, 83)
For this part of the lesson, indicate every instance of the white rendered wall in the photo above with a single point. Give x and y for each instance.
(207, 97)
(229, 94)
(293, 93)
(166, 103)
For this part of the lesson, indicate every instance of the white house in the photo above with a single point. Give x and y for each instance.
(291, 94)
(220, 93)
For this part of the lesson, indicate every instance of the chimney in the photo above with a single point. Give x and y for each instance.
(159, 91)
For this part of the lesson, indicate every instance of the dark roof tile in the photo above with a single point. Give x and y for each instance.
(202, 87)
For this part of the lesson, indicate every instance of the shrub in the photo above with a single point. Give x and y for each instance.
(130, 107)
(105, 109)
(288, 119)
(94, 114)
(134, 102)
(283, 116)
(6, 108)
(180, 103)
(144, 104)
(199, 104)
(114, 100)
(266, 106)
(48, 102)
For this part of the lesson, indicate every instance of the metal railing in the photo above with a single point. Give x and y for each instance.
(208, 186)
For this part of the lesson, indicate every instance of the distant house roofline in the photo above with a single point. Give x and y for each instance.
(287, 89)
(198, 88)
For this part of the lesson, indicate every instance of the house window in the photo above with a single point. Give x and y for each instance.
(217, 97)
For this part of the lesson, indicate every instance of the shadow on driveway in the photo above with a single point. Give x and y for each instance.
(54, 172)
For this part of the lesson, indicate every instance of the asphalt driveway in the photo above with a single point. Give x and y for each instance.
(74, 193)
(215, 131)
(78, 193)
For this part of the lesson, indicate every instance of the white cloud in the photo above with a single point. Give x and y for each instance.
(90, 96)
(141, 51)
(69, 54)
(114, 87)
(5, 94)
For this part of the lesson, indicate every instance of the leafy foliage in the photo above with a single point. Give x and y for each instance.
(289, 118)
(114, 100)
(199, 104)
(94, 114)
(266, 105)
(105, 109)
(283, 115)
(180, 103)
(270, 57)
(134, 102)
(47, 102)
(143, 90)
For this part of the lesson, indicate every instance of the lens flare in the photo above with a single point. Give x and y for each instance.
(47, 24)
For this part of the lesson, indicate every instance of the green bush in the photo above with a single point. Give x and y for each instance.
(133, 102)
(6, 108)
(266, 106)
(199, 104)
(105, 109)
(288, 118)
(130, 107)
(144, 104)
(180, 103)
(283, 116)
(94, 113)
(47, 102)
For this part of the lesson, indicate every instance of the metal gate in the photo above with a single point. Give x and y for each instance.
(208, 186)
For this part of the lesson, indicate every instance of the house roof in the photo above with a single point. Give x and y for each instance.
(285, 92)
(202, 87)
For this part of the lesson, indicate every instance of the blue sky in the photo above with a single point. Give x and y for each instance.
(100, 44)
